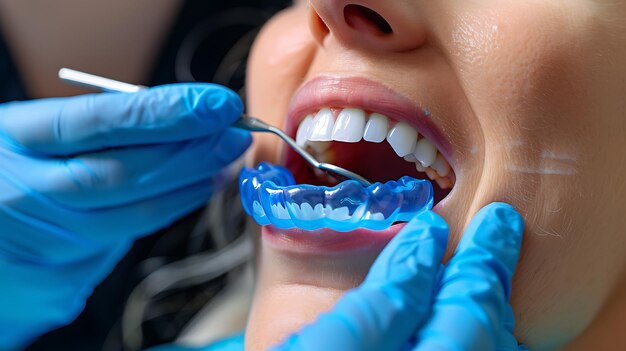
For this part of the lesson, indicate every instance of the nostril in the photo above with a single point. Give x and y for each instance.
(361, 17)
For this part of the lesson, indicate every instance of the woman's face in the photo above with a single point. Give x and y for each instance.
(525, 100)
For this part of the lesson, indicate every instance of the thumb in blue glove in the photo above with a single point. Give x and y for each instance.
(393, 308)
(471, 310)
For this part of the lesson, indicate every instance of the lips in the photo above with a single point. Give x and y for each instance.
(339, 93)
(328, 242)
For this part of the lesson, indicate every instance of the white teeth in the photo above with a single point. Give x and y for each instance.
(328, 210)
(376, 128)
(402, 139)
(280, 212)
(320, 146)
(340, 214)
(374, 216)
(258, 209)
(425, 152)
(304, 130)
(410, 158)
(439, 171)
(431, 173)
(326, 157)
(307, 211)
(349, 126)
(419, 167)
(378, 216)
(293, 210)
(323, 124)
(353, 125)
(441, 166)
(318, 211)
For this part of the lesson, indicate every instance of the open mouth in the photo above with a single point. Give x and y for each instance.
(371, 144)
(366, 128)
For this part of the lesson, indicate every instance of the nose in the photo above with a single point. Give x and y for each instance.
(388, 25)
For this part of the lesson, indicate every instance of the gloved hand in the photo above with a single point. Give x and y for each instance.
(408, 303)
(82, 177)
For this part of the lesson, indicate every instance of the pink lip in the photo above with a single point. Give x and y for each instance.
(327, 241)
(366, 94)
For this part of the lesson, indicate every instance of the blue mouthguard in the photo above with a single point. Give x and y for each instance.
(270, 195)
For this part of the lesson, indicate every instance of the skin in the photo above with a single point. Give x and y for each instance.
(531, 95)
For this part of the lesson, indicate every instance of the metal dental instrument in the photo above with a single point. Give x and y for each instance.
(248, 123)
(256, 125)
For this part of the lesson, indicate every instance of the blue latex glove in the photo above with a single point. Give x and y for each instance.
(408, 303)
(82, 177)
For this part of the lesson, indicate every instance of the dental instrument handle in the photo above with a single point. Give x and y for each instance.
(256, 125)
(87, 80)
(91, 81)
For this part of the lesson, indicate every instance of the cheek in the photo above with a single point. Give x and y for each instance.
(528, 71)
(525, 67)
(277, 65)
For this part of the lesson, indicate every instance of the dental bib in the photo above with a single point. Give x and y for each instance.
(270, 195)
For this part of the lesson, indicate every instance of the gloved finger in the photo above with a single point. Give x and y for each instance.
(120, 176)
(505, 339)
(470, 309)
(149, 215)
(67, 126)
(56, 232)
(509, 318)
(392, 301)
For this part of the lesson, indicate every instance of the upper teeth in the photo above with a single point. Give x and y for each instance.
(376, 128)
(402, 139)
(349, 126)
(352, 125)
